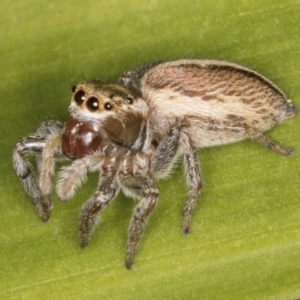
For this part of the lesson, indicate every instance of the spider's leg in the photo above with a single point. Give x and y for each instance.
(23, 171)
(71, 177)
(267, 142)
(131, 78)
(145, 187)
(244, 131)
(166, 153)
(51, 150)
(194, 180)
(107, 189)
(35, 144)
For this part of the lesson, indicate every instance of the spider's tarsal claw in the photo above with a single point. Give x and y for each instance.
(47, 202)
(83, 243)
(45, 217)
(42, 212)
(128, 265)
(186, 224)
(186, 231)
(289, 152)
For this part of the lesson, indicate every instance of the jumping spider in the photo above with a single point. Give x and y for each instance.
(134, 133)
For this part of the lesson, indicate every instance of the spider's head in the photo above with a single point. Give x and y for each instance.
(98, 100)
(120, 112)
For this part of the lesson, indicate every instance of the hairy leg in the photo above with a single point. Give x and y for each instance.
(107, 189)
(141, 187)
(130, 79)
(267, 142)
(166, 153)
(194, 180)
(242, 129)
(51, 149)
(71, 177)
(28, 181)
(34, 144)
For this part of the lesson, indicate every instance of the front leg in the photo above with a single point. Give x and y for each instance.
(71, 177)
(144, 187)
(107, 189)
(35, 144)
(46, 165)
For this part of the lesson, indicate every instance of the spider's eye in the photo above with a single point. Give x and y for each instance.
(79, 97)
(92, 104)
(107, 106)
(129, 100)
(73, 88)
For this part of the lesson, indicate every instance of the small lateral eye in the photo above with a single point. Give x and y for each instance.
(79, 97)
(129, 100)
(73, 88)
(92, 104)
(107, 106)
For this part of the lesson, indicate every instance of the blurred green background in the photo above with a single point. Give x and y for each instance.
(245, 239)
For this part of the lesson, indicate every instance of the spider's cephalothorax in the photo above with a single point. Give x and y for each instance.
(104, 114)
(109, 133)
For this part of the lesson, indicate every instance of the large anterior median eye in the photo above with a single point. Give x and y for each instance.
(79, 97)
(92, 104)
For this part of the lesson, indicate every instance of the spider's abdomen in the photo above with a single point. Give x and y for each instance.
(80, 138)
(214, 95)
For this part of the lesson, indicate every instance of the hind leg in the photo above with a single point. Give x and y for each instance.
(267, 142)
(239, 130)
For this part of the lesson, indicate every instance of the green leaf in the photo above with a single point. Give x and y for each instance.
(245, 238)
